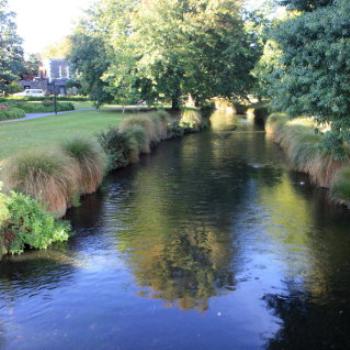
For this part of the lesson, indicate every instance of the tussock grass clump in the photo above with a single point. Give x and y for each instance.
(90, 161)
(274, 124)
(340, 188)
(303, 147)
(49, 177)
(164, 120)
(138, 143)
(191, 121)
(151, 130)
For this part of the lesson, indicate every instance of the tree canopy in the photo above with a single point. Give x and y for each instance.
(310, 74)
(169, 49)
(11, 52)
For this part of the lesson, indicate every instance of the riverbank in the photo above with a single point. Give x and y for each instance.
(307, 154)
(57, 178)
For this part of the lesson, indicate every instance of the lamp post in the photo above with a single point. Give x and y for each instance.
(54, 96)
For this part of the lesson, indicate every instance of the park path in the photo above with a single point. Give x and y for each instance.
(31, 116)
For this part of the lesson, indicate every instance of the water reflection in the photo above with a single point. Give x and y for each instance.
(223, 120)
(185, 268)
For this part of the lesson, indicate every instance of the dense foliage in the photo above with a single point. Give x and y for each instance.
(24, 223)
(11, 52)
(310, 68)
(165, 50)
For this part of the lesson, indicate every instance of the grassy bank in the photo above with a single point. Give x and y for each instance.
(56, 177)
(49, 132)
(306, 152)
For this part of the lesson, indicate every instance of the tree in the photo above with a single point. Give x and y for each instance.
(168, 49)
(60, 49)
(197, 48)
(305, 5)
(313, 73)
(32, 66)
(11, 52)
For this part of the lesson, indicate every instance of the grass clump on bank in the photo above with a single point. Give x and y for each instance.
(49, 177)
(340, 188)
(24, 223)
(89, 161)
(304, 147)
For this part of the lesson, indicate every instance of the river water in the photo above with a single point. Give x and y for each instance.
(208, 243)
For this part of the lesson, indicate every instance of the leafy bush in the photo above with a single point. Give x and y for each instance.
(116, 144)
(27, 224)
(90, 160)
(11, 113)
(50, 177)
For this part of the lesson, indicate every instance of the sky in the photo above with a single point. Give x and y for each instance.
(45, 22)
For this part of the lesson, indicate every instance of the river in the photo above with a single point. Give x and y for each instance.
(208, 243)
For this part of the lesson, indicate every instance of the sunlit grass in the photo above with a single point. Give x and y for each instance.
(50, 131)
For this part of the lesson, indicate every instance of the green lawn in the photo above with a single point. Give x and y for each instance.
(49, 131)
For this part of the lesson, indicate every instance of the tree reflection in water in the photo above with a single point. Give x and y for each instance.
(187, 269)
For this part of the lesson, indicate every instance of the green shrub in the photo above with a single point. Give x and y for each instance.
(29, 225)
(340, 188)
(65, 106)
(11, 113)
(90, 160)
(45, 106)
(49, 177)
(116, 145)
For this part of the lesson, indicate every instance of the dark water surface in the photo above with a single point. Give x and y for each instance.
(209, 243)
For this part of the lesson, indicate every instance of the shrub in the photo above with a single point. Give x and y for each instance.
(45, 106)
(11, 113)
(340, 188)
(65, 106)
(49, 177)
(116, 145)
(29, 225)
(90, 160)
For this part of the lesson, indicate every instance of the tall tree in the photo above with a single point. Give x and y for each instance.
(312, 75)
(11, 52)
(31, 66)
(167, 49)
